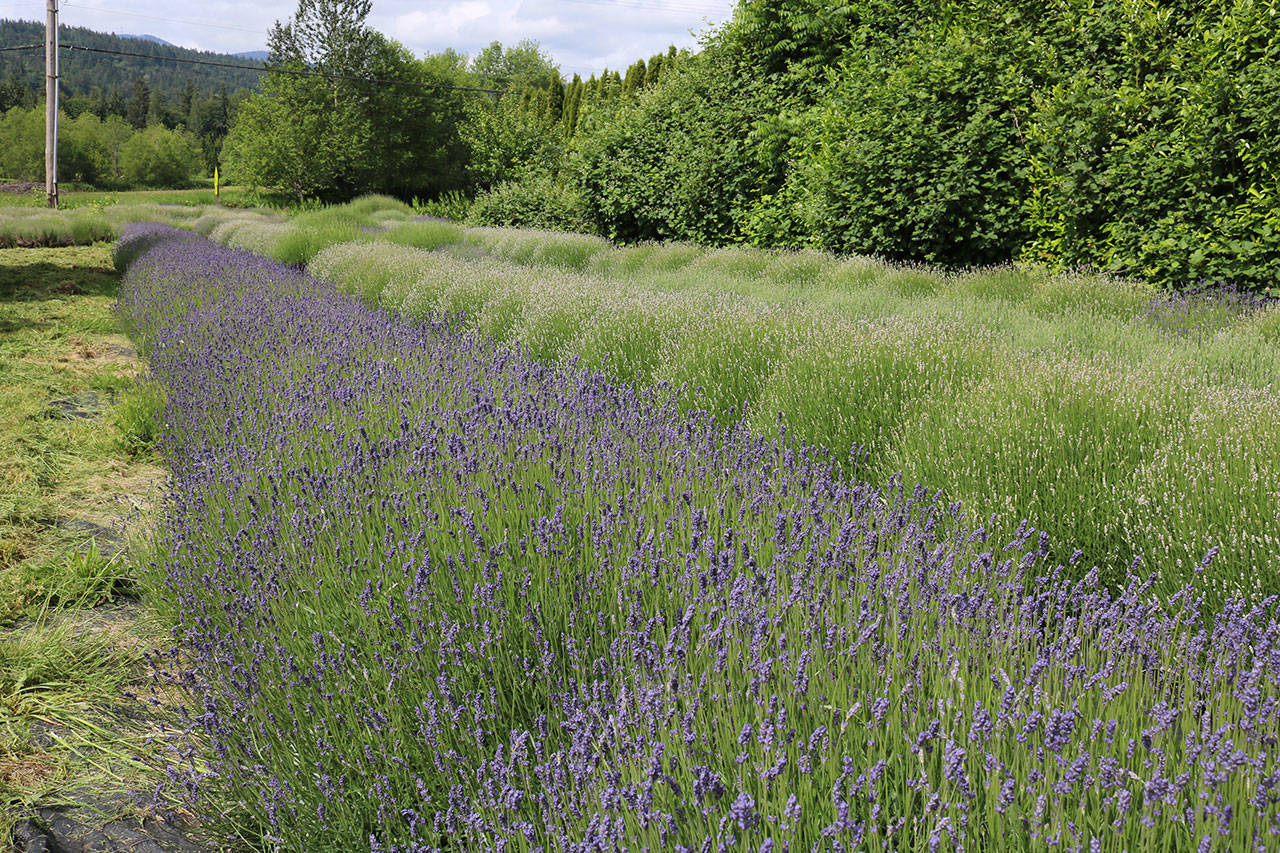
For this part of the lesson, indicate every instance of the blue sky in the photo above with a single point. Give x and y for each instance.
(581, 35)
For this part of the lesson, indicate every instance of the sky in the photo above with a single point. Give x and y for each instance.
(582, 36)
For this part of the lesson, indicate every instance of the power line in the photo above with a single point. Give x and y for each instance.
(292, 72)
(259, 69)
(676, 7)
(163, 20)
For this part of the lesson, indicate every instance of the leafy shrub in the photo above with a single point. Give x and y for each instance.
(159, 157)
(536, 202)
(1161, 164)
(920, 160)
(681, 164)
(451, 205)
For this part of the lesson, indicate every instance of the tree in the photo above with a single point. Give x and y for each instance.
(308, 134)
(139, 104)
(185, 100)
(116, 105)
(337, 135)
(160, 157)
(516, 68)
(635, 79)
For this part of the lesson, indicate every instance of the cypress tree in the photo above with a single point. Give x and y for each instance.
(116, 105)
(572, 105)
(184, 101)
(654, 72)
(634, 80)
(555, 101)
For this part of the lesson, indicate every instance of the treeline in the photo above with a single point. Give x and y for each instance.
(1136, 138)
(142, 92)
(1140, 139)
(86, 75)
(109, 153)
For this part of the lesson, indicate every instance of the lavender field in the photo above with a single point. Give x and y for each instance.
(437, 593)
(1129, 422)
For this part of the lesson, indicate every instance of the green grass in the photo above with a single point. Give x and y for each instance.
(63, 665)
(76, 198)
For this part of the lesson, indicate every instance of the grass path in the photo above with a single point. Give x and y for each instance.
(77, 480)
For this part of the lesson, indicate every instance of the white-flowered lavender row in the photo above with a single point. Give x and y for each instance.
(435, 594)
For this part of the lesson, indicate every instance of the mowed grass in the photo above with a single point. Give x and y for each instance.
(232, 196)
(75, 466)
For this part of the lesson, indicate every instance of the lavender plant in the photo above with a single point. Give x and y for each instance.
(435, 594)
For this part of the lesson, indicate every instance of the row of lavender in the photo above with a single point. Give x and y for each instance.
(434, 594)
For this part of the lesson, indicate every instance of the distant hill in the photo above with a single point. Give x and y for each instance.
(88, 74)
(147, 37)
(260, 55)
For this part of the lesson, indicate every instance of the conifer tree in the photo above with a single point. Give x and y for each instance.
(555, 101)
(139, 104)
(572, 106)
(634, 81)
(654, 72)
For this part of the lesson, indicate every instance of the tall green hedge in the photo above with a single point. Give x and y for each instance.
(1136, 137)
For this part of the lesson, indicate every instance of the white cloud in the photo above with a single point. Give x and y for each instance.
(581, 35)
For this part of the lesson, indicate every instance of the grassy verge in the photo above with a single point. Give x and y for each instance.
(76, 474)
(70, 200)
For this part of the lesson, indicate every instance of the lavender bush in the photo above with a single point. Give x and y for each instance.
(436, 594)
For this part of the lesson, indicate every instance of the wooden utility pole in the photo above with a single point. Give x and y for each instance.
(51, 103)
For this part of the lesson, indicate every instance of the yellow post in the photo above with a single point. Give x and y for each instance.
(215, 181)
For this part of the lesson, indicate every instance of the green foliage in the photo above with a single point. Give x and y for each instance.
(158, 157)
(920, 160)
(139, 417)
(537, 202)
(453, 204)
(1137, 139)
(1162, 164)
(97, 76)
(99, 152)
(682, 162)
(509, 139)
(516, 68)
(339, 137)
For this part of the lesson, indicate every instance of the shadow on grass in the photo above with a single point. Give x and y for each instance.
(27, 277)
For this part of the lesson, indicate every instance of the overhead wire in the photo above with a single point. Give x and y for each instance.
(262, 69)
(205, 24)
(640, 5)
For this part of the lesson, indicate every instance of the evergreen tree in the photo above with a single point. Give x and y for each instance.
(572, 106)
(116, 105)
(635, 79)
(184, 101)
(139, 104)
(555, 101)
(13, 93)
(157, 109)
(654, 72)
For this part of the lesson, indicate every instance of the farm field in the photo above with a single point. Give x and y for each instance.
(1127, 423)
(438, 589)
(665, 522)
